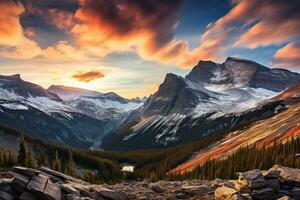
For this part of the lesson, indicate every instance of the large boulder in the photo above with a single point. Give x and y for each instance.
(252, 179)
(227, 193)
(19, 182)
(241, 188)
(52, 191)
(263, 194)
(6, 196)
(288, 175)
(37, 184)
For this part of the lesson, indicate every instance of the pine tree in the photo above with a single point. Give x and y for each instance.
(22, 153)
(70, 170)
(56, 165)
(42, 161)
(11, 158)
(30, 159)
(1, 158)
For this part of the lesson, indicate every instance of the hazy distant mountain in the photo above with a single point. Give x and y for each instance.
(210, 99)
(61, 114)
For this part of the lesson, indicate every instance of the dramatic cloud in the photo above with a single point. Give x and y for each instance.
(248, 24)
(278, 22)
(211, 47)
(13, 43)
(64, 52)
(88, 76)
(10, 27)
(288, 56)
(145, 26)
(63, 20)
(265, 22)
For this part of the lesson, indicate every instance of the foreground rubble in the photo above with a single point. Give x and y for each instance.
(29, 184)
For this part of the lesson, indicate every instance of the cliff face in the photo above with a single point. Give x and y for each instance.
(30, 184)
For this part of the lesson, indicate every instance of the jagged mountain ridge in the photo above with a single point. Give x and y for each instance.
(212, 98)
(279, 128)
(45, 113)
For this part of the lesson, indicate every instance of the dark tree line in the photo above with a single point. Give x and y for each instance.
(247, 158)
(34, 153)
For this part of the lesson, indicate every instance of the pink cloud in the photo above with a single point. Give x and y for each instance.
(288, 56)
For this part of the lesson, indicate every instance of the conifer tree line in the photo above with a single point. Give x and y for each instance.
(60, 158)
(104, 166)
(247, 158)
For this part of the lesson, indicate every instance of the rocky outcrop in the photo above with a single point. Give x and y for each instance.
(45, 184)
(276, 183)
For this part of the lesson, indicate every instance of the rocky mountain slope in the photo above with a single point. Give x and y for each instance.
(280, 127)
(212, 98)
(24, 183)
(60, 114)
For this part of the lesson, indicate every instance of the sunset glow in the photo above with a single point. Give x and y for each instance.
(127, 46)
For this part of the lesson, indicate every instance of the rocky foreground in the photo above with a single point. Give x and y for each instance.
(29, 184)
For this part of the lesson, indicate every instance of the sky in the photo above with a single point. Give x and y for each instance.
(127, 46)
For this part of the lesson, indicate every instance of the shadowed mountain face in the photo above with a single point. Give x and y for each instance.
(212, 98)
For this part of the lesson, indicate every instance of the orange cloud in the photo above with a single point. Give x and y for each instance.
(63, 20)
(64, 51)
(13, 43)
(143, 26)
(261, 23)
(211, 48)
(10, 27)
(88, 76)
(288, 56)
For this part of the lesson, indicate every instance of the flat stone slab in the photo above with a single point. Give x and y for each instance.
(53, 191)
(27, 196)
(37, 183)
(19, 181)
(288, 175)
(25, 171)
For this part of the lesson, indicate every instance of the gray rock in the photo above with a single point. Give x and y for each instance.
(197, 190)
(296, 193)
(263, 194)
(6, 196)
(19, 182)
(273, 183)
(70, 190)
(37, 184)
(52, 191)
(270, 173)
(252, 179)
(25, 171)
(241, 188)
(288, 175)
(225, 193)
(157, 188)
(107, 193)
(27, 196)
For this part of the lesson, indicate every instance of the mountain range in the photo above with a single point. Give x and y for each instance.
(211, 99)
